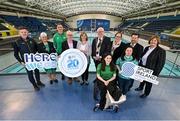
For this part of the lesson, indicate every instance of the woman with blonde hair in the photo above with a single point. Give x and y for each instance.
(85, 47)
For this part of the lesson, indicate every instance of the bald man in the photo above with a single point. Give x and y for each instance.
(70, 43)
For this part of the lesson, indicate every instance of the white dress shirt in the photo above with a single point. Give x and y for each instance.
(144, 58)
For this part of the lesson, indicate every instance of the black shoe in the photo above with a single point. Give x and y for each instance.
(56, 81)
(63, 77)
(40, 84)
(81, 83)
(69, 81)
(76, 79)
(86, 83)
(96, 108)
(36, 88)
(51, 82)
(143, 96)
(116, 109)
(138, 89)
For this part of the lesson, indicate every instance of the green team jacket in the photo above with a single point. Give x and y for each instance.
(58, 39)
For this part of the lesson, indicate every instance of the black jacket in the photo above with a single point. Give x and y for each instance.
(21, 47)
(118, 52)
(65, 45)
(137, 51)
(42, 48)
(155, 60)
(105, 46)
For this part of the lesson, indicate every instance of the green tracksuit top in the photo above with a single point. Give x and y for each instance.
(58, 39)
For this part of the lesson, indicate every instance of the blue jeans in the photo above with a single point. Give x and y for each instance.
(124, 84)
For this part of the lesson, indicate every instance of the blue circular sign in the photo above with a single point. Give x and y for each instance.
(128, 69)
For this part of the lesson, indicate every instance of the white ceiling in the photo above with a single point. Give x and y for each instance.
(113, 7)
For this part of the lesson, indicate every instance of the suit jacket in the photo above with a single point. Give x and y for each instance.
(105, 46)
(42, 48)
(65, 45)
(155, 60)
(137, 51)
(118, 52)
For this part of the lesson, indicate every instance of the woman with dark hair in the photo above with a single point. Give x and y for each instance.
(124, 82)
(117, 47)
(106, 75)
(85, 47)
(152, 58)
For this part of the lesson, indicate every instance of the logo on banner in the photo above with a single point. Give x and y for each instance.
(72, 63)
(40, 61)
(139, 73)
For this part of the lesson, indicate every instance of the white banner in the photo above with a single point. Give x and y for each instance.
(40, 61)
(139, 73)
(72, 63)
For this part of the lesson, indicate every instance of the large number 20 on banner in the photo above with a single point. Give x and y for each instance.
(72, 63)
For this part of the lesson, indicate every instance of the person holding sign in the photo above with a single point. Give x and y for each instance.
(85, 47)
(137, 50)
(26, 45)
(70, 43)
(47, 47)
(106, 75)
(152, 58)
(125, 82)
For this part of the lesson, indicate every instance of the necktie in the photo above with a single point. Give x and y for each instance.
(99, 44)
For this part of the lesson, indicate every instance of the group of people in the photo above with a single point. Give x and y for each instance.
(108, 56)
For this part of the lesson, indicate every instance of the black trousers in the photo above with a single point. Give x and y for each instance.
(85, 75)
(96, 62)
(103, 90)
(31, 77)
(147, 85)
(96, 88)
(131, 84)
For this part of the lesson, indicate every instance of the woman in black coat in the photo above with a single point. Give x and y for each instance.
(47, 47)
(152, 58)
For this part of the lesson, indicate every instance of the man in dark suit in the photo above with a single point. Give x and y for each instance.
(137, 49)
(100, 46)
(70, 43)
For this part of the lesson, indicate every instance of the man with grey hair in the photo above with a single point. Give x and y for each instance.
(100, 46)
(68, 44)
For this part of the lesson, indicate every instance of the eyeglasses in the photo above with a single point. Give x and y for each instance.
(69, 35)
